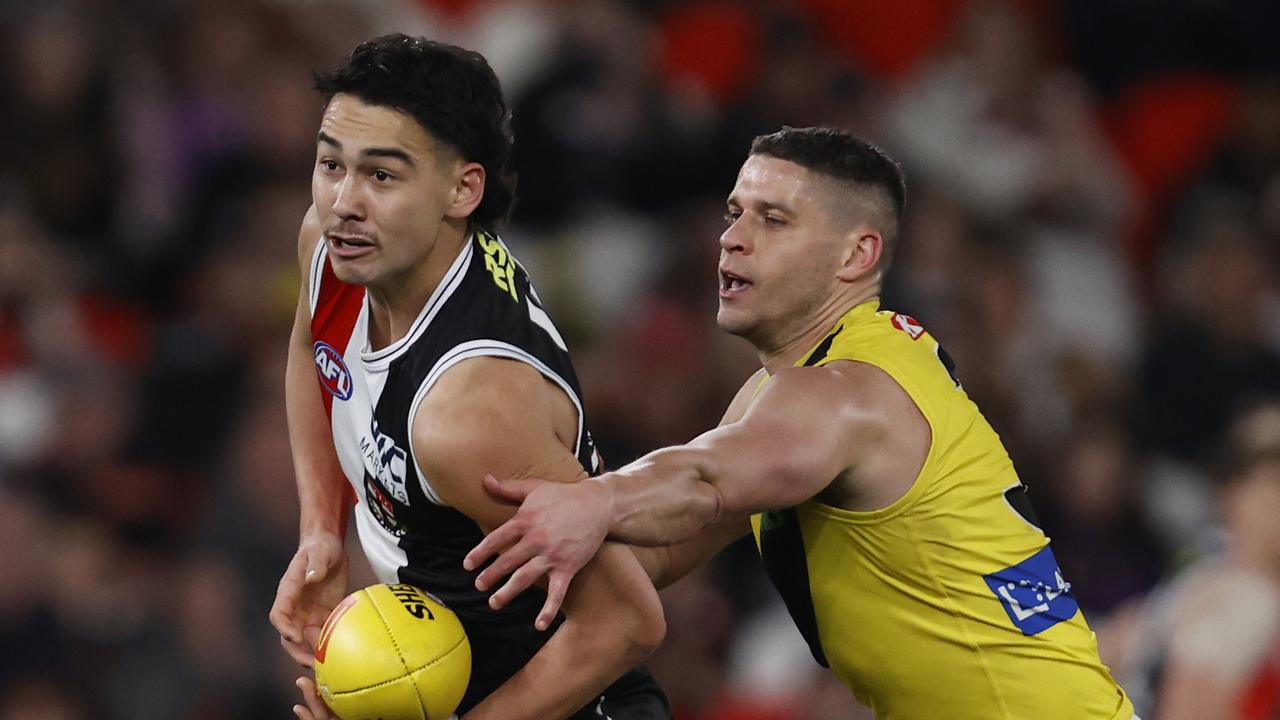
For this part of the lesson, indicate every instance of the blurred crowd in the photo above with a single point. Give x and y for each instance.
(1093, 232)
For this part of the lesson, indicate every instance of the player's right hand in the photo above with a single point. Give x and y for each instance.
(315, 581)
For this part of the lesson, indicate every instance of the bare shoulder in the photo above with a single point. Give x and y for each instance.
(484, 402)
(309, 234)
(489, 415)
(843, 389)
(845, 404)
(867, 385)
(742, 399)
(482, 391)
(890, 432)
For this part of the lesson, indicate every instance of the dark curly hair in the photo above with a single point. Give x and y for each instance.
(452, 92)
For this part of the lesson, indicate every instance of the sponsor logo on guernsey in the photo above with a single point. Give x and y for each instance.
(1033, 593)
(385, 465)
(909, 325)
(332, 371)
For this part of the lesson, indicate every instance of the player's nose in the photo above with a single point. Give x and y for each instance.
(734, 239)
(347, 203)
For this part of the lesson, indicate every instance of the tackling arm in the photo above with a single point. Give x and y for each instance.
(804, 427)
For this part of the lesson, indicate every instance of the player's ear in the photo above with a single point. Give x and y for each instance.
(860, 253)
(467, 191)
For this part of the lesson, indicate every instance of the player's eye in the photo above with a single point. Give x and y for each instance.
(731, 216)
(382, 176)
(329, 164)
(774, 221)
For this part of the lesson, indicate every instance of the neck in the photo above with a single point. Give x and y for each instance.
(396, 302)
(780, 355)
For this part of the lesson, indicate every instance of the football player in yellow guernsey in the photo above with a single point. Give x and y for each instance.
(885, 508)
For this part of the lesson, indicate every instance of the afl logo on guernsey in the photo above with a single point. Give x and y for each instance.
(332, 371)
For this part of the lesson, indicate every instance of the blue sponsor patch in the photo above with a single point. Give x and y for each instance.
(1034, 593)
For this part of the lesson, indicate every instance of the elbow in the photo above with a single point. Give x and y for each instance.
(645, 629)
(648, 633)
(620, 645)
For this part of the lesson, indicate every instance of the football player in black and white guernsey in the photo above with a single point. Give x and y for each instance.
(420, 361)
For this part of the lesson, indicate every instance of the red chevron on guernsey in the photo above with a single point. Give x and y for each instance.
(326, 632)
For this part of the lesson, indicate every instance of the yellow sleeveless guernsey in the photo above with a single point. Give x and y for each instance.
(947, 603)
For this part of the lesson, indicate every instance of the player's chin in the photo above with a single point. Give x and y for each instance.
(353, 272)
(734, 320)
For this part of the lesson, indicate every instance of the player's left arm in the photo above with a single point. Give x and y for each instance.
(489, 415)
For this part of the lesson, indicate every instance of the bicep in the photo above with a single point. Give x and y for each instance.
(499, 417)
(804, 429)
(489, 416)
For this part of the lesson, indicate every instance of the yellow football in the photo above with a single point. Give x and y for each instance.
(392, 652)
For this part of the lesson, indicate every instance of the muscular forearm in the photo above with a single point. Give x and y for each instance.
(661, 499)
(322, 489)
(670, 495)
(667, 564)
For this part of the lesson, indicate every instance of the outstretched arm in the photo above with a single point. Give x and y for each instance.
(502, 416)
(791, 443)
(803, 429)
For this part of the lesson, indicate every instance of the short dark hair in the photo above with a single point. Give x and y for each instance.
(842, 156)
(452, 93)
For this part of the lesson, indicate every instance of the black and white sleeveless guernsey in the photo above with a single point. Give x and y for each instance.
(484, 305)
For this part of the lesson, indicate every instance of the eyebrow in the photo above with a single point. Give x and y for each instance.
(385, 152)
(762, 206)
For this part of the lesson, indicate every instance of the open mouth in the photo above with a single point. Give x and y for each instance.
(347, 245)
(732, 283)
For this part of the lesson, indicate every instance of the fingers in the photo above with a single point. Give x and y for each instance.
(506, 534)
(312, 635)
(557, 586)
(509, 491)
(300, 653)
(281, 617)
(505, 564)
(520, 581)
(315, 707)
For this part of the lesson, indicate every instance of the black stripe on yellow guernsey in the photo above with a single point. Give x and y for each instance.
(782, 550)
